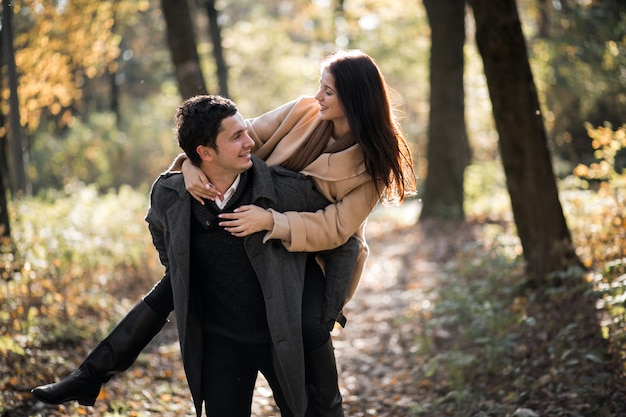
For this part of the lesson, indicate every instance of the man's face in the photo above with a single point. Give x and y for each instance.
(233, 146)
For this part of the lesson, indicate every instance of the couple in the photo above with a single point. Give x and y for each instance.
(346, 142)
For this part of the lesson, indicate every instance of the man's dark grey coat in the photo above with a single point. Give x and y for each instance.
(280, 273)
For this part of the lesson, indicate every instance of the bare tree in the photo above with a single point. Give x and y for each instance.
(19, 151)
(448, 150)
(215, 33)
(530, 179)
(5, 225)
(181, 40)
(543, 21)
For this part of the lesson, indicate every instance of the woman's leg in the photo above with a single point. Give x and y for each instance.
(321, 369)
(161, 298)
(314, 333)
(116, 353)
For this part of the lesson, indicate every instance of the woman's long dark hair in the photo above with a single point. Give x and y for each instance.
(363, 94)
(364, 97)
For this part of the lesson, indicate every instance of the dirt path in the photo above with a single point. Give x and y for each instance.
(381, 371)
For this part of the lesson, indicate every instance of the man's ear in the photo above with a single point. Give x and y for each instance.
(206, 153)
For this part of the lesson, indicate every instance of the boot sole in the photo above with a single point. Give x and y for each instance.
(82, 401)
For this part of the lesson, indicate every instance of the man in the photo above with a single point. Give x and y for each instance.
(237, 301)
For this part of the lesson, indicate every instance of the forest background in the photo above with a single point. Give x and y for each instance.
(96, 85)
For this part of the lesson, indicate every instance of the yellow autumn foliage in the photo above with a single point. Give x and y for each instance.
(61, 44)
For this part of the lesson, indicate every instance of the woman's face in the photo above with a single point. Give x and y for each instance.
(330, 107)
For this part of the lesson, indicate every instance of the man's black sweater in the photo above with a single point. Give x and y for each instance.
(223, 279)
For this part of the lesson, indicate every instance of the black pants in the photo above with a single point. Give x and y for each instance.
(229, 373)
(314, 333)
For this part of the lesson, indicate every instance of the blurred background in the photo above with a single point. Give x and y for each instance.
(88, 94)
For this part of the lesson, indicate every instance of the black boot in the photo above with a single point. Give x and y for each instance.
(116, 353)
(322, 383)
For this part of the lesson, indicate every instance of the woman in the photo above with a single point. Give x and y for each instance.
(347, 140)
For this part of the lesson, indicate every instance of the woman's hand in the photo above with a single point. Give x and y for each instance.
(197, 184)
(247, 220)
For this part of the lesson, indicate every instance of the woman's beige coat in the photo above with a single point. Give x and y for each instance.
(340, 176)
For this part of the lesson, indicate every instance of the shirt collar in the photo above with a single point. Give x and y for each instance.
(228, 194)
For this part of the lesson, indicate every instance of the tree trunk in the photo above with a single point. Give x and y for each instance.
(448, 150)
(543, 21)
(182, 43)
(114, 102)
(215, 32)
(541, 226)
(5, 225)
(112, 72)
(19, 151)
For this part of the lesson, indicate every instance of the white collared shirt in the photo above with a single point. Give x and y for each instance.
(228, 194)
